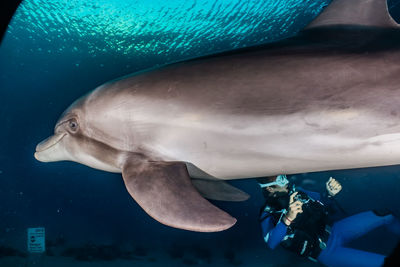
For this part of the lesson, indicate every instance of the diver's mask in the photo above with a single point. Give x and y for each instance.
(281, 180)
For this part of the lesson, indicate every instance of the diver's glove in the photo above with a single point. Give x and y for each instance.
(333, 187)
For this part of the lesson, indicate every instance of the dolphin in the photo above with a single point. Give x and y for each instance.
(327, 98)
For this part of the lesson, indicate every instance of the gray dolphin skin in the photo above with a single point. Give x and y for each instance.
(328, 98)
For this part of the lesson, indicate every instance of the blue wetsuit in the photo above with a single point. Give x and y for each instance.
(342, 232)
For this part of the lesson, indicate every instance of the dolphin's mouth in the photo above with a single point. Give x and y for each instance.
(49, 142)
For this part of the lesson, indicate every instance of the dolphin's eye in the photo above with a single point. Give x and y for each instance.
(73, 125)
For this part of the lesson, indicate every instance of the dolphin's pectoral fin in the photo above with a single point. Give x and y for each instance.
(165, 191)
(219, 190)
(356, 12)
(213, 188)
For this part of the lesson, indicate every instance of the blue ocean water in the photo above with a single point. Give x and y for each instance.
(154, 30)
(56, 51)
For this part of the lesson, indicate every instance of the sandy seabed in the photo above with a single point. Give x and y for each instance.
(257, 258)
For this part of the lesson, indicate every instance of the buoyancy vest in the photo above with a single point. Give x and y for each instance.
(304, 235)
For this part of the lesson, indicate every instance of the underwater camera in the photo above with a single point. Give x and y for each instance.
(302, 197)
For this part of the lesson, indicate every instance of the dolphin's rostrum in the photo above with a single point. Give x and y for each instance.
(325, 99)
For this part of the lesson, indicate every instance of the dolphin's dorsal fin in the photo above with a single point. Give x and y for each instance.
(372, 13)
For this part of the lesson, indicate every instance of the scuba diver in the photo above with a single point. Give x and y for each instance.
(301, 222)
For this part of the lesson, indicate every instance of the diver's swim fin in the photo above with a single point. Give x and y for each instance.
(394, 258)
(384, 212)
(165, 191)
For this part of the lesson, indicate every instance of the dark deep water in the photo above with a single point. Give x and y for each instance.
(55, 51)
